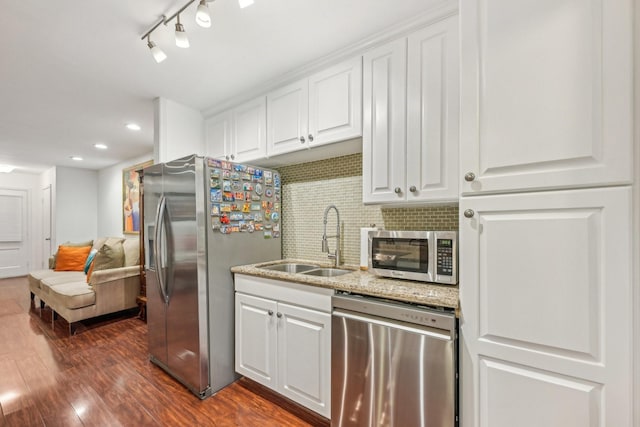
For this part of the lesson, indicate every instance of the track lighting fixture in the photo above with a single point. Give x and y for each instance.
(202, 15)
(203, 19)
(181, 36)
(158, 54)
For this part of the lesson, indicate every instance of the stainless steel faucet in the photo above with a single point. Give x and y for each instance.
(325, 244)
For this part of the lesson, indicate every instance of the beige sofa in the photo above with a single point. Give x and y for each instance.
(108, 291)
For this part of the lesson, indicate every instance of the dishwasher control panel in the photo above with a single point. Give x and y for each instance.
(394, 310)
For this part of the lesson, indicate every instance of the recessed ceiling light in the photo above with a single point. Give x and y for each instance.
(6, 168)
(245, 3)
(100, 146)
(133, 126)
(76, 158)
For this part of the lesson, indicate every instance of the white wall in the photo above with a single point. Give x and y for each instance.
(31, 184)
(178, 132)
(110, 196)
(76, 211)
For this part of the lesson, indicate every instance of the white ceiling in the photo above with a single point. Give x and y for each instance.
(73, 73)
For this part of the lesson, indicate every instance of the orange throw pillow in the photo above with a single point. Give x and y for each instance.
(71, 258)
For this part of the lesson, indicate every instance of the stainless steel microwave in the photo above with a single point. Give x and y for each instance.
(427, 256)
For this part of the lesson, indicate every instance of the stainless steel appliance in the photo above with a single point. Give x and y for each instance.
(392, 364)
(427, 256)
(202, 216)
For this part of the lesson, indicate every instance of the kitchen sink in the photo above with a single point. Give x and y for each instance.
(326, 272)
(290, 267)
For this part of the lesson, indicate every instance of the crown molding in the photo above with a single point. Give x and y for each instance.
(436, 13)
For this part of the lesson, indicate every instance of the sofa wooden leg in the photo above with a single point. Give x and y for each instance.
(72, 328)
(53, 319)
(33, 296)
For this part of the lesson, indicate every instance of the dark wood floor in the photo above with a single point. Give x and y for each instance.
(101, 376)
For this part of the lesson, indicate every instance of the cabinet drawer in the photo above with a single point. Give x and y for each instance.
(302, 295)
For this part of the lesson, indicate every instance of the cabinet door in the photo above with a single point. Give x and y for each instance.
(544, 289)
(287, 117)
(218, 136)
(383, 123)
(304, 357)
(256, 339)
(546, 94)
(335, 103)
(432, 113)
(249, 121)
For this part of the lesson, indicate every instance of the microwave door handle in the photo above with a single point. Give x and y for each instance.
(158, 247)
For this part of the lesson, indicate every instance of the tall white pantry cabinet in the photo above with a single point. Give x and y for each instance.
(546, 172)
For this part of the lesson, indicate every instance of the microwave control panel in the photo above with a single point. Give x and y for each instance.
(445, 257)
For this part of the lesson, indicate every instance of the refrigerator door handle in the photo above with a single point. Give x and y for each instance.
(160, 269)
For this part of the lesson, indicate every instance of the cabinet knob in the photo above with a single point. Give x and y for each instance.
(469, 213)
(469, 176)
(413, 188)
(233, 157)
(226, 157)
(279, 315)
(302, 140)
(270, 312)
(310, 138)
(397, 190)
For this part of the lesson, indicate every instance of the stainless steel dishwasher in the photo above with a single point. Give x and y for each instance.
(392, 364)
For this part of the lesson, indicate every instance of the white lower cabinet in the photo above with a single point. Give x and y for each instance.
(546, 315)
(283, 339)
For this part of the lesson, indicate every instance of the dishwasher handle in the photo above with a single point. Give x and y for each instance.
(434, 333)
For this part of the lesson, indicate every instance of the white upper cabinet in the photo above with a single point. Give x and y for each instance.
(335, 103)
(410, 117)
(218, 136)
(318, 110)
(383, 122)
(546, 94)
(287, 117)
(249, 121)
(433, 113)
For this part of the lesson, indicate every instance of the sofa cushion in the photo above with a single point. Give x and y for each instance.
(72, 258)
(37, 275)
(61, 277)
(109, 256)
(74, 295)
(131, 252)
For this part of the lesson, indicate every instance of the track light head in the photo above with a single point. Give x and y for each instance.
(158, 54)
(203, 18)
(181, 35)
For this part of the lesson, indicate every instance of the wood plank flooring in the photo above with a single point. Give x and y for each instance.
(102, 377)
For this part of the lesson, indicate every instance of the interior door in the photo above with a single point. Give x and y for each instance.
(46, 226)
(14, 258)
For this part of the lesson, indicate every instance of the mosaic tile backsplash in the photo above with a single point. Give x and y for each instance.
(308, 188)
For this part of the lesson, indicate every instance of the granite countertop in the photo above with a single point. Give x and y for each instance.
(362, 282)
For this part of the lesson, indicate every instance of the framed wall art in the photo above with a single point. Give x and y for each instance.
(131, 198)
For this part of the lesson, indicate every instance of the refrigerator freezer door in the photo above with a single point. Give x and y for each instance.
(156, 308)
(187, 341)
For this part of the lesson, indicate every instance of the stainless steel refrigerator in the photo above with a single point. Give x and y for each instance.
(202, 216)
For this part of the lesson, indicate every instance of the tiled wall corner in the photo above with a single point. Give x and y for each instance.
(308, 188)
